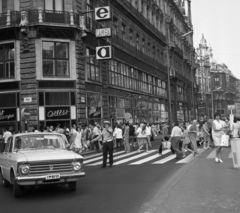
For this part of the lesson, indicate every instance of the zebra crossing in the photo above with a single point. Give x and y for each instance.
(134, 158)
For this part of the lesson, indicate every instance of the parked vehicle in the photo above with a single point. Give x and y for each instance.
(32, 159)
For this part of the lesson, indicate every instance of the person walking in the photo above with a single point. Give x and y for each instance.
(131, 136)
(217, 132)
(149, 134)
(186, 141)
(235, 128)
(77, 143)
(142, 138)
(176, 136)
(107, 135)
(126, 138)
(206, 136)
(118, 134)
(193, 136)
(6, 134)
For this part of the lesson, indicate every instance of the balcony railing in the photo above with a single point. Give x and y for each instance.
(14, 18)
(9, 19)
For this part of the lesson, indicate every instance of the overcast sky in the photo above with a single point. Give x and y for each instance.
(219, 21)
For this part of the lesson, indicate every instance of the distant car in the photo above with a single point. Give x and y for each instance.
(32, 159)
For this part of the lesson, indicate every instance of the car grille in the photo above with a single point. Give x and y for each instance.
(50, 167)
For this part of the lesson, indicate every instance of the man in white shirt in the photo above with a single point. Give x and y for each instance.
(6, 134)
(97, 131)
(149, 134)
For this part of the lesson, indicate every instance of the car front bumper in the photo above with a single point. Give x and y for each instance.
(41, 179)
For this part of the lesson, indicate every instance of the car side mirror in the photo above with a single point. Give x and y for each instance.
(2, 147)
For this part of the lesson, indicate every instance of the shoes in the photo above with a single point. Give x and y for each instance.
(139, 150)
(147, 151)
(110, 165)
(183, 156)
(217, 159)
(205, 147)
(220, 160)
(160, 154)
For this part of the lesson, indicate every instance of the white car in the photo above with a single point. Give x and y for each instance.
(32, 159)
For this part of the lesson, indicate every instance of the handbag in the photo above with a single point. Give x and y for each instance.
(224, 140)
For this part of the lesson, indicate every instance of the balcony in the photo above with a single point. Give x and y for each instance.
(45, 17)
(10, 19)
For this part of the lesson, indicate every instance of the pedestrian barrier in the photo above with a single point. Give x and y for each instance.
(235, 146)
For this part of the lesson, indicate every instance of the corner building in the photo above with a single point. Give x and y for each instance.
(47, 62)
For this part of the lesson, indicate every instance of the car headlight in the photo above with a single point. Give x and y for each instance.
(24, 169)
(76, 166)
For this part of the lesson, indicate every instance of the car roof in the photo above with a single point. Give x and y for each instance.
(36, 133)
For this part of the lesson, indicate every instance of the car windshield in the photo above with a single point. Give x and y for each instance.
(27, 142)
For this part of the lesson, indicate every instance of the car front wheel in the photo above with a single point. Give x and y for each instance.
(72, 186)
(17, 190)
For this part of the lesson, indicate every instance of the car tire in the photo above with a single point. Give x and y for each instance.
(17, 189)
(5, 183)
(72, 186)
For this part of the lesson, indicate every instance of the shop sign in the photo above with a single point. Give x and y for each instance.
(55, 113)
(94, 112)
(120, 113)
(8, 114)
(104, 32)
(103, 52)
(27, 99)
(102, 13)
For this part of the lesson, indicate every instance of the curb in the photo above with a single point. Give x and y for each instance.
(165, 191)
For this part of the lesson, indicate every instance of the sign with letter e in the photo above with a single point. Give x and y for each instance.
(103, 52)
(102, 13)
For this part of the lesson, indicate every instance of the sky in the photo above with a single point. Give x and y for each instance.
(219, 21)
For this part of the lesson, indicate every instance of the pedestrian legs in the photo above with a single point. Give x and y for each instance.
(175, 144)
(96, 143)
(149, 140)
(131, 141)
(126, 144)
(107, 149)
(194, 143)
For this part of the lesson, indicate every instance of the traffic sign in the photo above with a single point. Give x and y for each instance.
(105, 32)
(103, 52)
(102, 13)
(25, 114)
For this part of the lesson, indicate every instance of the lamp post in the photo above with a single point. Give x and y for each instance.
(212, 100)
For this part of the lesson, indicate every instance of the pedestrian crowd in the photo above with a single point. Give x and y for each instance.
(183, 137)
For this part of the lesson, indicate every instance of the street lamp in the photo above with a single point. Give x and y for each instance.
(212, 100)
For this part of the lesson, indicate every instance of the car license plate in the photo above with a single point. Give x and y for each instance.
(53, 176)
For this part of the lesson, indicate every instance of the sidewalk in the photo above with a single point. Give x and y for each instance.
(203, 186)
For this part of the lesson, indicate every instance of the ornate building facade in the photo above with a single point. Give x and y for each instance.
(47, 62)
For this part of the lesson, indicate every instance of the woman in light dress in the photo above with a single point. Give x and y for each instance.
(77, 143)
(142, 138)
(217, 132)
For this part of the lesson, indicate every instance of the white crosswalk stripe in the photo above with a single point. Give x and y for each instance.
(149, 158)
(134, 157)
(116, 158)
(100, 158)
(164, 160)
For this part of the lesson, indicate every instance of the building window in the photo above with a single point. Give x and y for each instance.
(122, 75)
(115, 26)
(143, 45)
(7, 67)
(137, 42)
(216, 79)
(131, 37)
(92, 66)
(124, 38)
(56, 5)
(55, 58)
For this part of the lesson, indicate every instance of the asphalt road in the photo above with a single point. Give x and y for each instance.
(123, 188)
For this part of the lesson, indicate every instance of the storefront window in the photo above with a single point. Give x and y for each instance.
(7, 67)
(55, 58)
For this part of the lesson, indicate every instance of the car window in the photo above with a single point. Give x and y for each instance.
(8, 147)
